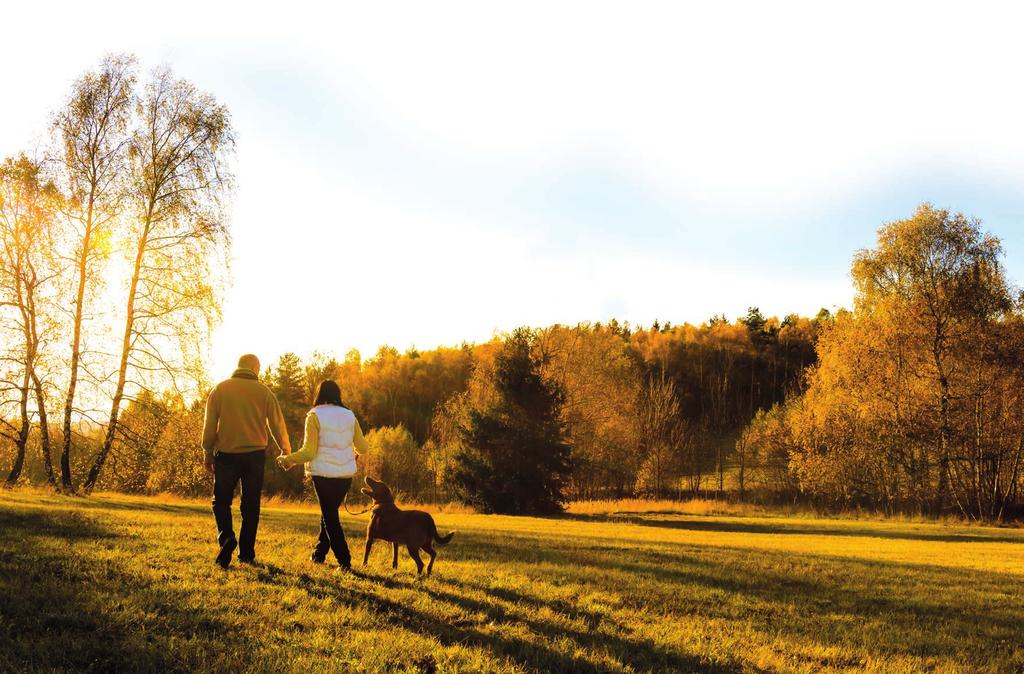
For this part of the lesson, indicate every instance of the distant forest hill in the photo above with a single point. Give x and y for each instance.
(617, 384)
(102, 372)
(911, 401)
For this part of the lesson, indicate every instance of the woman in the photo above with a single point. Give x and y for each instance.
(329, 452)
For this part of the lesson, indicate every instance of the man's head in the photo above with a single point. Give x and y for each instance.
(249, 362)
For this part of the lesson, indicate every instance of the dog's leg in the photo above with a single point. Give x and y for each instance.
(415, 554)
(430, 551)
(394, 556)
(366, 551)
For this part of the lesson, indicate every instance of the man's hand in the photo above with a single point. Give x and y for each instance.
(283, 463)
(209, 465)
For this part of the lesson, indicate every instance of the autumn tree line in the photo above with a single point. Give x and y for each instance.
(910, 401)
(916, 402)
(114, 246)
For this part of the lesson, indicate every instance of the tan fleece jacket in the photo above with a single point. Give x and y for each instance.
(239, 413)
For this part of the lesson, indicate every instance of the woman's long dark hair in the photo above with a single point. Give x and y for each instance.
(328, 393)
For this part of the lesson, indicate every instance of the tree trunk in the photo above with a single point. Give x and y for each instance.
(44, 432)
(22, 440)
(657, 474)
(942, 492)
(76, 341)
(122, 372)
(37, 384)
(721, 470)
(19, 462)
(743, 468)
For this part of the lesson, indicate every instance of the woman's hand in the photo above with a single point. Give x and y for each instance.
(282, 461)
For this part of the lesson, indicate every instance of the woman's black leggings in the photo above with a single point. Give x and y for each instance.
(330, 492)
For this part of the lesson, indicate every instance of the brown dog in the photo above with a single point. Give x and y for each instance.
(414, 529)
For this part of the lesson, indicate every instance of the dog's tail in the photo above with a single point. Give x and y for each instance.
(442, 540)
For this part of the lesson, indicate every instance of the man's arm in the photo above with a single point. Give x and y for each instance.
(275, 421)
(210, 427)
(310, 444)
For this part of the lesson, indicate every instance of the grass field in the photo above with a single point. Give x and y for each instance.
(124, 583)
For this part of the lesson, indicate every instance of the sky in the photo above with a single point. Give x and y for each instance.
(428, 173)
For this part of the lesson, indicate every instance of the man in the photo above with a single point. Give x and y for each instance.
(239, 412)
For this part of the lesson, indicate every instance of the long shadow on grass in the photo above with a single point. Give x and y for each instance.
(790, 528)
(928, 610)
(63, 609)
(639, 654)
(533, 656)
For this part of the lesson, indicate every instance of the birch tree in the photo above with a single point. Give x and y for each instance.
(178, 179)
(26, 218)
(91, 141)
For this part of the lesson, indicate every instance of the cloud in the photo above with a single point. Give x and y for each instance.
(448, 169)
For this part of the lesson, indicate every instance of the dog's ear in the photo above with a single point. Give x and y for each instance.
(366, 491)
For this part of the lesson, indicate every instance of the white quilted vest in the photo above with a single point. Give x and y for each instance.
(335, 456)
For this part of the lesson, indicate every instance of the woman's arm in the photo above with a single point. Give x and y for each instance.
(310, 444)
(361, 446)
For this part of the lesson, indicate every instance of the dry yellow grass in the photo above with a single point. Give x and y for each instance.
(666, 506)
(136, 589)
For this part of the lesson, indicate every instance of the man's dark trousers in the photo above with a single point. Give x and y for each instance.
(229, 470)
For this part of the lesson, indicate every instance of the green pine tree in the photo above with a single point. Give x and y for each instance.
(287, 381)
(516, 459)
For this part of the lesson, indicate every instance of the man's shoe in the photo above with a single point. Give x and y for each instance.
(224, 556)
(317, 559)
(246, 560)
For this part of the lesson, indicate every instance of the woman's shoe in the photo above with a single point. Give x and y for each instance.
(316, 559)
